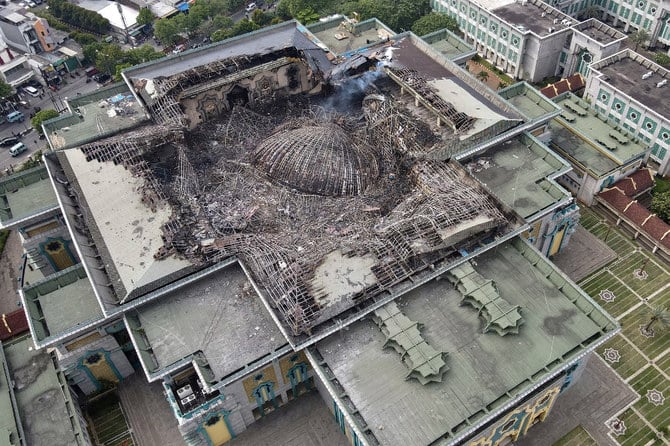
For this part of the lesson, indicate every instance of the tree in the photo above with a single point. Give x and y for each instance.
(639, 37)
(657, 314)
(166, 30)
(483, 76)
(144, 53)
(662, 59)
(108, 57)
(5, 90)
(145, 17)
(660, 205)
(41, 116)
(261, 18)
(306, 16)
(434, 22)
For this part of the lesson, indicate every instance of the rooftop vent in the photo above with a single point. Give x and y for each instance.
(647, 75)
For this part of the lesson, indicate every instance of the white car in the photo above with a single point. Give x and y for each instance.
(250, 7)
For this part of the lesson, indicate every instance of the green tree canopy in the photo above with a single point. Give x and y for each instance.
(166, 30)
(660, 205)
(144, 53)
(41, 116)
(6, 90)
(434, 22)
(662, 59)
(108, 57)
(639, 37)
(145, 17)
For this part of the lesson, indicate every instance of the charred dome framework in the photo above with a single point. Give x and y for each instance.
(286, 184)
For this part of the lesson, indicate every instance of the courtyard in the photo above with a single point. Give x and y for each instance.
(630, 288)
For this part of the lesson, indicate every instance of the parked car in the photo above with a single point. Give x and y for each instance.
(17, 149)
(179, 48)
(15, 116)
(102, 78)
(251, 7)
(9, 141)
(90, 71)
(32, 91)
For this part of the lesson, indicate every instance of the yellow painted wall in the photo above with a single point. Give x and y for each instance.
(250, 382)
(218, 433)
(556, 244)
(101, 370)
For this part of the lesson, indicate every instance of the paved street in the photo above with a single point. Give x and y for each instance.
(51, 100)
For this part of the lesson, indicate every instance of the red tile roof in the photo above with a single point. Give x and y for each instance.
(636, 183)
(618, 197)
(572, 83)
(13, 324)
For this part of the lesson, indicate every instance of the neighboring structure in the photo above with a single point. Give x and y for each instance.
(25, 32)
(15, 69)
(619, 202)
(36, 405)
(573, 84)
(633, 92)
(530, 39)
(224, 214)
(599, 151)
(122, 18)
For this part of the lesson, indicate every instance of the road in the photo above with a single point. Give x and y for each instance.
(50, 99)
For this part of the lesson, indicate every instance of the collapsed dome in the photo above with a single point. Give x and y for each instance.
(319, 159)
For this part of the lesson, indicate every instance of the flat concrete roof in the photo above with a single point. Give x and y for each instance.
(517, 170)
(599, 31)
(448, 44)
(624, 73)
(128, 229)
(67, 300)
(485, 370)
(529, 101)
(43, 397)
(339, 38)
(101, 113)
(26, 193)
(220, 315)
(534, 16)
(580, 139)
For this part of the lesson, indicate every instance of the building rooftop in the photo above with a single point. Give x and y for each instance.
(25, 195)
(9, 420)
(624, 72)
(533, 105)
(43, 397)
(62, 302)
(450, 45)
(104, 112)
(110, 10)
(521, 172)
(589, 139)
(599, 31)
(486, 370)
(126, 229)
(154, 204)
(220, 315)
(422, 68)
(534, 16)
(343, 35)
(264, 41)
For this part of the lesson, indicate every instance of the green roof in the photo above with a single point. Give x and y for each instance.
(486, 371)
(340, 40)
(529, 101)
(449, 44)
(24, 195)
